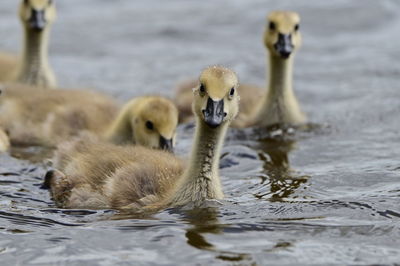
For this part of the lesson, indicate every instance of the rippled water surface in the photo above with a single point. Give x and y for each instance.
(325, 195)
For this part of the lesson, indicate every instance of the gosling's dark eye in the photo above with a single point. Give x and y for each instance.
(232, 92)
(149, 125)
(297, 27)
(202, 88)
(26, 2)
(272, 26)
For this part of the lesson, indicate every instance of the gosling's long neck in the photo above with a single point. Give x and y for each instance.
(34, 68)
(201, 179)
(280, 76)
(120, 130)
(280, 104)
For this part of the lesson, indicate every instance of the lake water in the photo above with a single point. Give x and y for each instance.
(325, 196)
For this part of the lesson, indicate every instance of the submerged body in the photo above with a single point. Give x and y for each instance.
(32, 66)
(260, 107)
(136, 177)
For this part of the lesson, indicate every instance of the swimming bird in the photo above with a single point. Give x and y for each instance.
(93, 174)
(278, 104)
(33, 116)
(32, 66)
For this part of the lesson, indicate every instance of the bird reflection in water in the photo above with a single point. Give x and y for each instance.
(282, 179)
(205, 221)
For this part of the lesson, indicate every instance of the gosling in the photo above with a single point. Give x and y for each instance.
(47, 117)
(32, 67)
(93, 174)
(278, 105)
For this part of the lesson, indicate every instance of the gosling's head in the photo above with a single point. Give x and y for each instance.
(37, 15)
(155, 123)
(282, 36)
(216, 100)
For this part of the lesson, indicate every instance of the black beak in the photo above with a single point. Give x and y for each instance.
(284, 45)
(214, 113)
(37, 21)
(166, 144)
(47, 180)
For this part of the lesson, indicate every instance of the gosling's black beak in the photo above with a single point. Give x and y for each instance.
(214, 113)
(284, 45)
(37, 21)
(166, 144)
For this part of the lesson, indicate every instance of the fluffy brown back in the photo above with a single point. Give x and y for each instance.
(45, 117)
(184, 98)
(122, 175)
(8, 65)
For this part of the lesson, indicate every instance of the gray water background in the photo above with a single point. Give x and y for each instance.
(337, 202)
